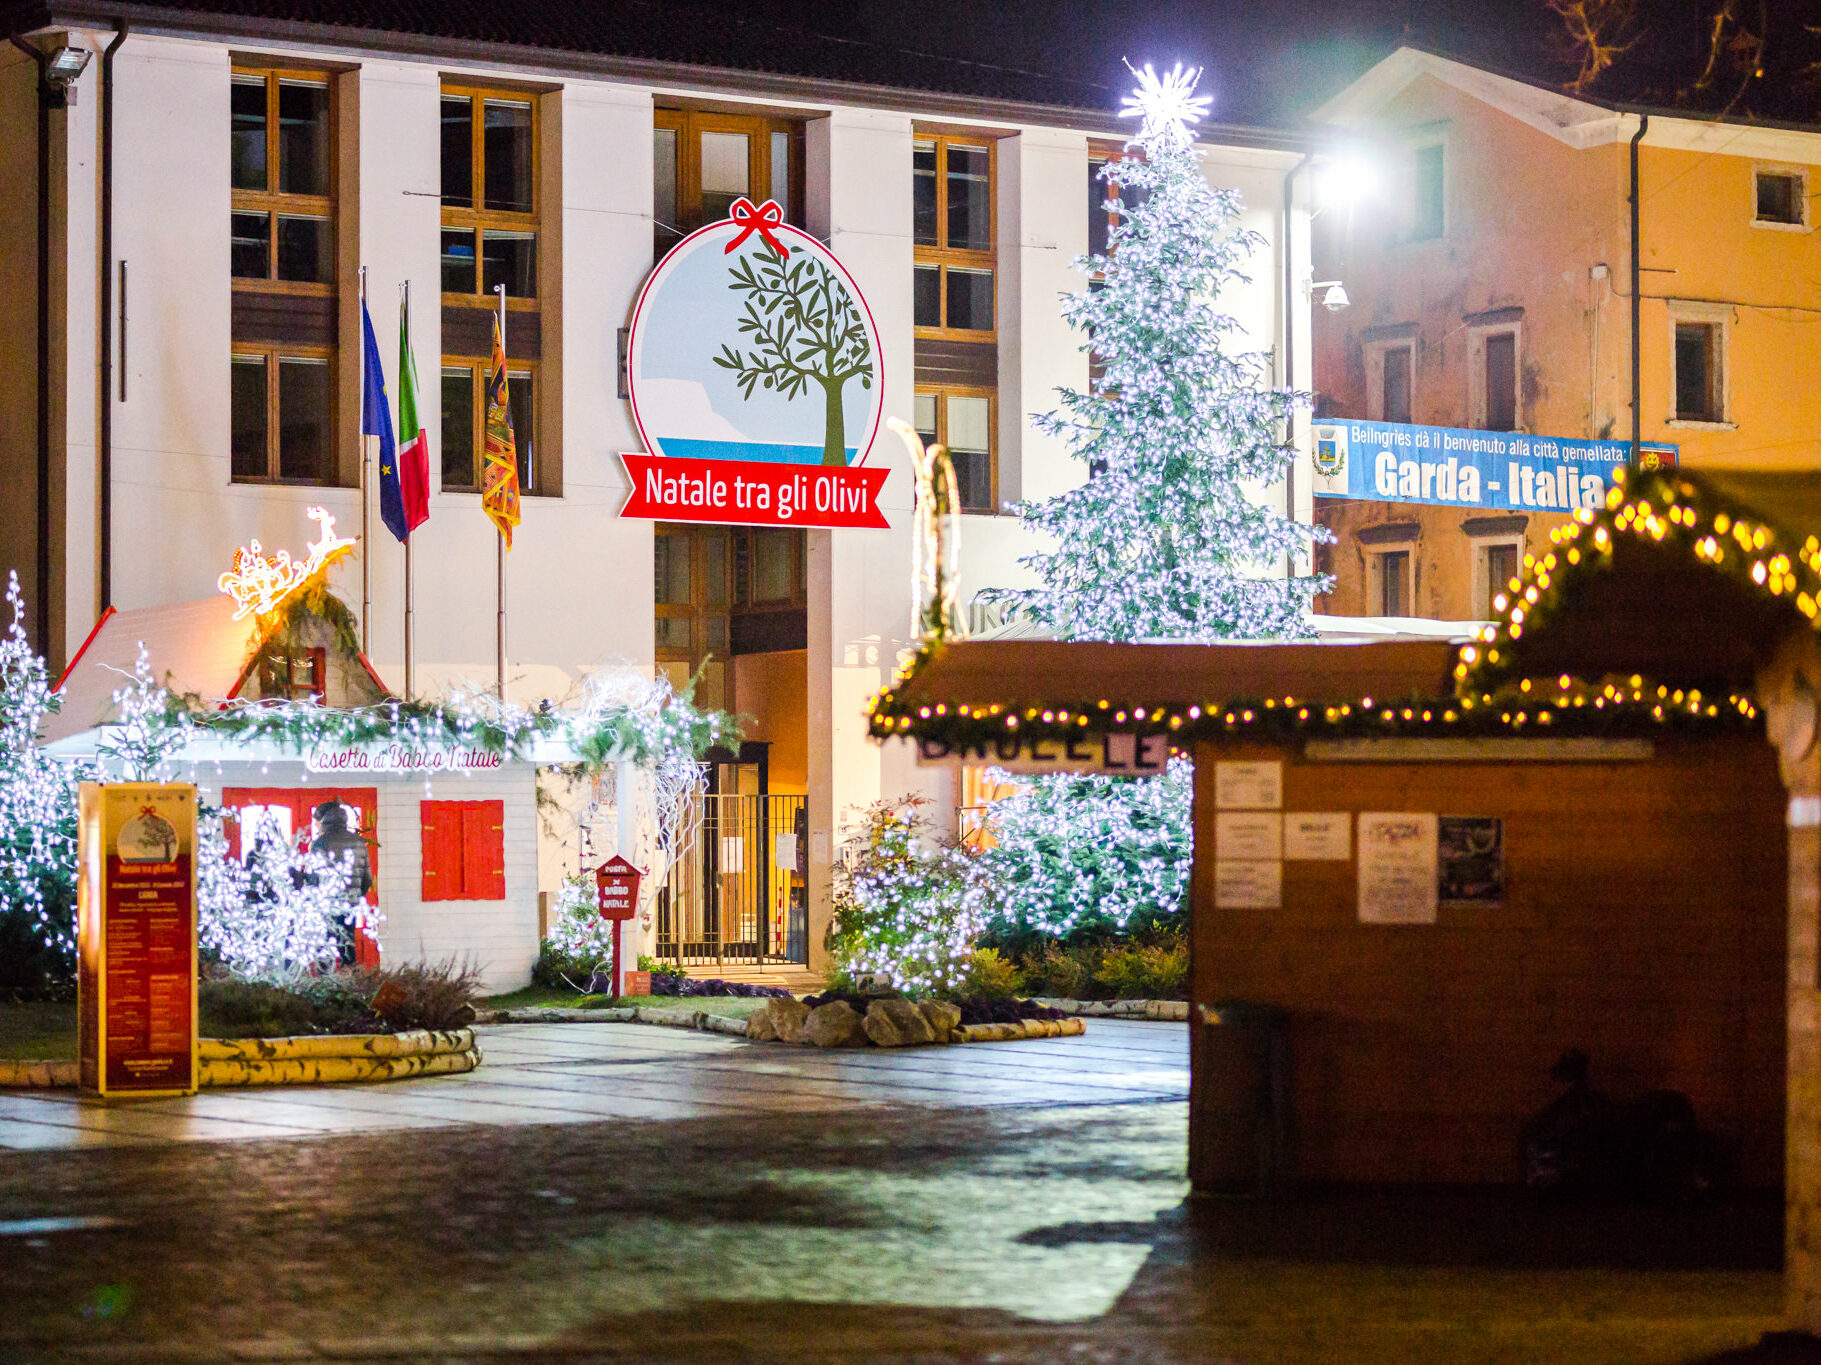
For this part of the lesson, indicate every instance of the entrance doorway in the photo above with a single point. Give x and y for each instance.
(288, 812)
(737, 891)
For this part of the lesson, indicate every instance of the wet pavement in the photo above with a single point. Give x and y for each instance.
(583, 1073)
(866, 1222)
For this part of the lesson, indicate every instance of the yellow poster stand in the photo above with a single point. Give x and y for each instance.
(136, 939)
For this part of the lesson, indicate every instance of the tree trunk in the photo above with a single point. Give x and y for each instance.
(834, 432)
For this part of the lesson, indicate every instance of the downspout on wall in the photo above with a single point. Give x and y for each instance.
(1289, 337)
(41, 588)
(1637, 365)
(105, 333)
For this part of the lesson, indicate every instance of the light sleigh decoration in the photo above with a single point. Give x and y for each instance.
(259, 584)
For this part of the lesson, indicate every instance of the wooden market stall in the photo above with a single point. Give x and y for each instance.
(1442, 866)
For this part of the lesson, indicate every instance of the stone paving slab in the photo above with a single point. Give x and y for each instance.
(586, 1073)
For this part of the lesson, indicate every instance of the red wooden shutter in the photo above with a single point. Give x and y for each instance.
(484, 850)
(442, 850)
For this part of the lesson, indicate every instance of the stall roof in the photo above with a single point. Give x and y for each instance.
(1689, 579)
(198, 645)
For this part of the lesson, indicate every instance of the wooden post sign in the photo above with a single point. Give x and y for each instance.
(136, 939)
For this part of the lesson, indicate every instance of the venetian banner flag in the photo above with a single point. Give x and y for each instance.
(499, 474)
(404, 483)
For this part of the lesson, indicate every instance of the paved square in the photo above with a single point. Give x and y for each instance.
(584, 1073)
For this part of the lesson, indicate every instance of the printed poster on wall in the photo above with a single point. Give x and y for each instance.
(136, 938)
(1398, 860)
(1472, 853)
(755, 377)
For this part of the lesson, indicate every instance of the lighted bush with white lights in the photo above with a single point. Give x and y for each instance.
(907, 908)
(1089, 853)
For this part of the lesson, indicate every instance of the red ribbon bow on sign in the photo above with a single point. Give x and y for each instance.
(760, 220)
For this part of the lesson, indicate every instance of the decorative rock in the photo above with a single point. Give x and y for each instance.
(834, 1025)
(787, 1018)
(896, 1022)
(943, 1018)
(760, 1028)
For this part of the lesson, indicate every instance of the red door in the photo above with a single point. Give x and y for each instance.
(299, 802)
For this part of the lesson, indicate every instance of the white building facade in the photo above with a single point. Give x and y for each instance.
(213, 393)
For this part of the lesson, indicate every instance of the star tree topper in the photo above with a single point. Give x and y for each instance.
(1167, 104)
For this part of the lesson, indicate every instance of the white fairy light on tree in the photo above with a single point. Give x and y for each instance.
(37, 808)
(1162, 540)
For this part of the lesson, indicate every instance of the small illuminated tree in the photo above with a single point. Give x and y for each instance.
(804, 329)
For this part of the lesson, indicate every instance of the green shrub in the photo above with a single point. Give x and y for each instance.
(990, 976)
(253, 1009)
(556, 968)
(1146, 971)
(657, 967)
(1066, 972)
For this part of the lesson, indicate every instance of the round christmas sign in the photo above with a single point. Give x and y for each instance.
(754, 370)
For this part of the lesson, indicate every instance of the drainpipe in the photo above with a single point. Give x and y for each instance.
(1289, 367)
(1637, 365)
(41, 591)
(105, 340)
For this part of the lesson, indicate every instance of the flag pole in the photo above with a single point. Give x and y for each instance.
(366, 515)
(410, 603)
(500, 542)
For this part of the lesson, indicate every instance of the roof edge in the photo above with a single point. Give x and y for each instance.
(169, 21)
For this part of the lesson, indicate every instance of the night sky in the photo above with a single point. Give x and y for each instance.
(1274, 62)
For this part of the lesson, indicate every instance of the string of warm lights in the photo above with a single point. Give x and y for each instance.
(1662, 507)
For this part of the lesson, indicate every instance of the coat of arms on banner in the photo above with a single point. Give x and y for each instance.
(1330, 451)
(755, 377)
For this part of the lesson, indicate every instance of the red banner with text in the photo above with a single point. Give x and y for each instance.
(753, 492)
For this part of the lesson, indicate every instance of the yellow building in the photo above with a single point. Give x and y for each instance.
(1485, 253)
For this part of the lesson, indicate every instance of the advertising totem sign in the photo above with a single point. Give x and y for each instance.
(136, 939)
(754, 371)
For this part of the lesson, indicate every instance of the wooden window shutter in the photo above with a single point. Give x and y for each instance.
(442, 850)
(484, 850)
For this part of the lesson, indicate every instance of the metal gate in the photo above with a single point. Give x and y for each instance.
(737, 891)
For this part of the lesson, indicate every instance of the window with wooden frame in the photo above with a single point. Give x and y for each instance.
(464, 395)
(283, 178)
(489, 192)
(282, 260)
(1102, 219)
(952, 229)
(304, 674)
(692, 570)
(963, 419)
(463, 847)
(703, 161)
(282, 414)
(1390, 374)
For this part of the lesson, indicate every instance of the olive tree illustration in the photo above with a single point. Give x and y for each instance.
(802, 327)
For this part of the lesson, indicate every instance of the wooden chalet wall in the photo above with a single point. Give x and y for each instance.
(1644, 919)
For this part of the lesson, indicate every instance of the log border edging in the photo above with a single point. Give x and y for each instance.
(307, 1059)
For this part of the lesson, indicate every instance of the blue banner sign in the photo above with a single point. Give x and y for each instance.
(1505, 471)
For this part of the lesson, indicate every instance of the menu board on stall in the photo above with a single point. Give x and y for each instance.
(136, 939)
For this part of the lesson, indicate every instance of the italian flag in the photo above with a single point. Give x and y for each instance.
(413, 478)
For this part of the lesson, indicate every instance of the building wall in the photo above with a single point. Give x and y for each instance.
(579, 580)
(497, 938)
(1643, 920)
(19, 328)
(1530, 223)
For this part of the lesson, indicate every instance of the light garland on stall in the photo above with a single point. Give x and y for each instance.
(1659, 507)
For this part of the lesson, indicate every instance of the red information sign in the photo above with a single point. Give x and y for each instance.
(616, 889)
(136, 931)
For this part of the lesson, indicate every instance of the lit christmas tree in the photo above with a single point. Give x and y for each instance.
(1162, 540)
(37, 823)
